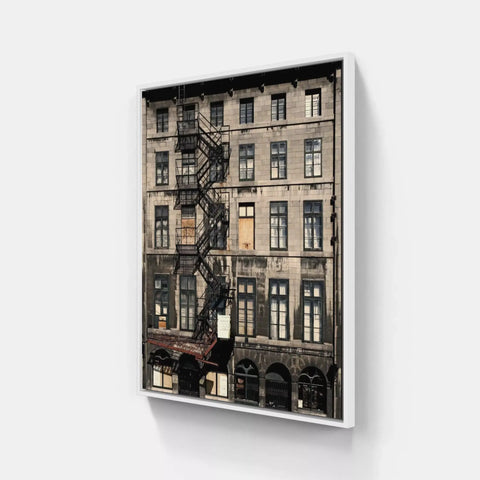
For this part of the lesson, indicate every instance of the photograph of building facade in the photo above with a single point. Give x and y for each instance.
(242, 239)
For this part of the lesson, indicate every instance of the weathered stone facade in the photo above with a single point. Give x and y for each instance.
(294, 354)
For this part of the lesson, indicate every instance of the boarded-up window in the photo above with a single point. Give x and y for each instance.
(313, 103)
(188, 225)
(313, 305)
(246, 226)
(217, 384)
(246, 300)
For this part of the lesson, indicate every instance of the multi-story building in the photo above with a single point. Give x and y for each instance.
(242, 245)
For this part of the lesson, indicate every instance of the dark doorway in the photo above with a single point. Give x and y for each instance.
(278, 387)
(188, 377)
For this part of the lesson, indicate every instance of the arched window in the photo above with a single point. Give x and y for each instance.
(312, 390)
(278, 387)
(188, 376)
(161, 370)
(246, 382)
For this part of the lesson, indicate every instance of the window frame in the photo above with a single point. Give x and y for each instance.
(188, 292)
(313, 158)
(279, 297)
(164, 122)
(310, 93)
(162, 228)
(312, 215)
(246, 101)
(246, 205)
(278, 215)
(216, 105)
(246, 296)
(220, 235)
(217, 373)
(245, 146)
(162, 163)
(162, 376)
(162, 277)
(246, 365)
(278, 155)
(275, 98)
(321, 298)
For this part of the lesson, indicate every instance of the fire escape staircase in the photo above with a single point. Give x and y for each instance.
(205, 157)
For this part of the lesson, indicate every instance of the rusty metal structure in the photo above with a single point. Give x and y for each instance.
(204, 160)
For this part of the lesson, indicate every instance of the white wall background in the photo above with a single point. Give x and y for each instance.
(67, 262)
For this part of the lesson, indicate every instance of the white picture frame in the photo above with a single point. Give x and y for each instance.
(348, 274)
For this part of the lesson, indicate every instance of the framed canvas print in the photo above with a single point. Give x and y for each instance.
(246, 232)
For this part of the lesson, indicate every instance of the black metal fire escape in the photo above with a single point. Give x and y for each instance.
(205, 153)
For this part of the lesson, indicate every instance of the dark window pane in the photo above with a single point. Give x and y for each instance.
(246, 110)
(162, 120)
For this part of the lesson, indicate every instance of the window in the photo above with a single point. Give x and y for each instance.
(189, 169)
(313, 102)
(278, 387)
(279, 309)
(216, 113)
(247, 161)
(312, 311)
(162, 370)
(161, 227)
(217, 384)
(312, 390)
(279, 107)
(161, 302)
(246, 110)
(246, 307)
(188, 302)
(218, 235)
(161, 168)
(312, 225)
(278, 160)
(162, 119)
(313, 157)
(221, 304)
(278, 226)
(246, 226)
(246, 382)
(188, 225)
(188, 116)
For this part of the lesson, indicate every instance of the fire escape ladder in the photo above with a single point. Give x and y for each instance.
(205, 153)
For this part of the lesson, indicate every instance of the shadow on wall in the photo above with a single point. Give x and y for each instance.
(254, 445)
